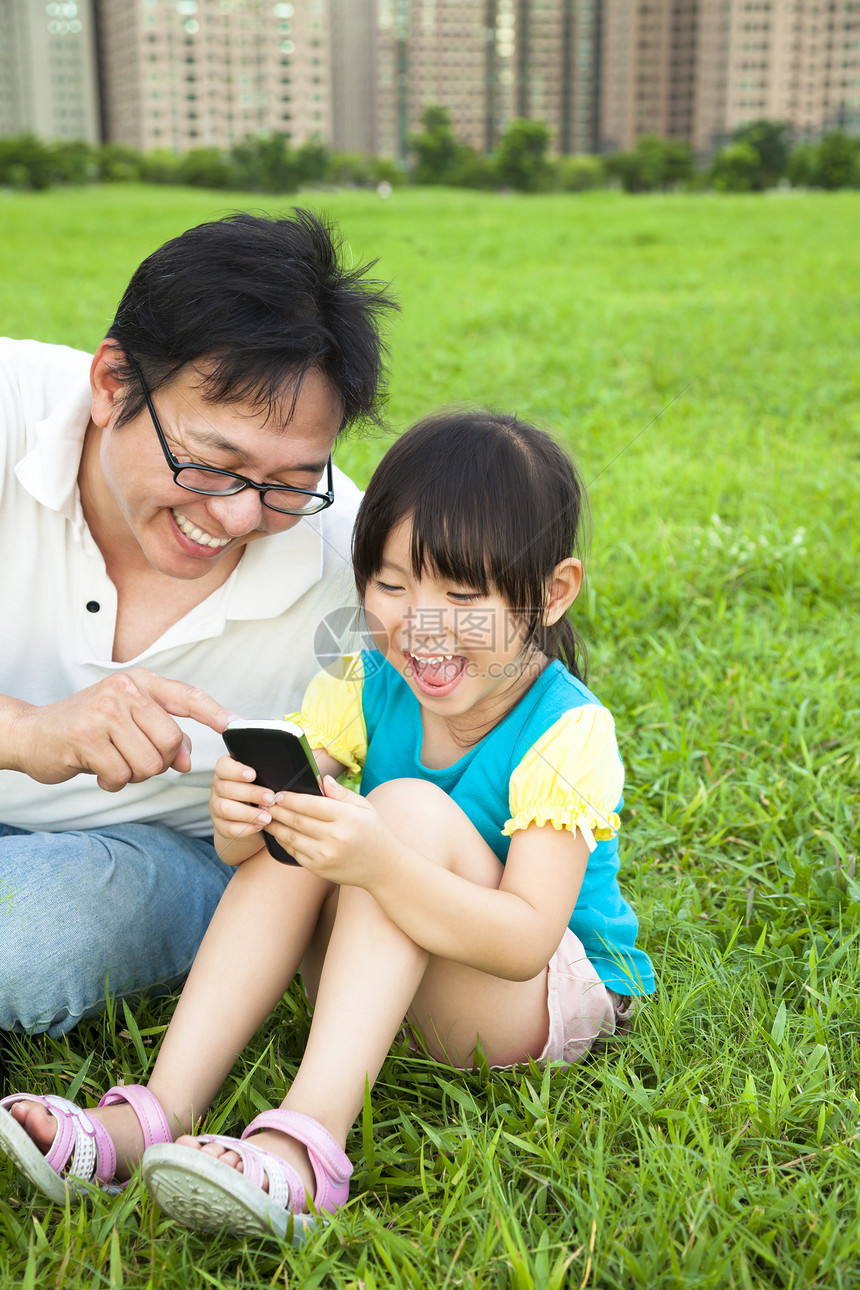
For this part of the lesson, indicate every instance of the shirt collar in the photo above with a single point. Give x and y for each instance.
(49, 471)
(276, 570)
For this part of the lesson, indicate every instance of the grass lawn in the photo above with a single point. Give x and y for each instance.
(700, 357)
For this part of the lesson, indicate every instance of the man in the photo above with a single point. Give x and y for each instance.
(173, 533)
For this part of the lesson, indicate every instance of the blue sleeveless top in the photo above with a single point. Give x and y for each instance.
(479, 782)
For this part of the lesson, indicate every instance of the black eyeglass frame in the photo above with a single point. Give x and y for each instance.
(325, 499)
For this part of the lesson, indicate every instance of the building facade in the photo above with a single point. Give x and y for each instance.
(359, 74)
(48, 74)
(797, 61)
(488, 62)
(183, 74)
(436, 52)
(354, 75)
(664, 71)
(698, 69)
(557, 68)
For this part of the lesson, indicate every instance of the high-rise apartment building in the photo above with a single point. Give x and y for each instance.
(697, 69)
(709, 127)
(557, 68)
(181, 74)
(48, 81)
(661, 70)
(359, 73)
(352, 28)
(437, 52)
(796, 61)
(487, 62)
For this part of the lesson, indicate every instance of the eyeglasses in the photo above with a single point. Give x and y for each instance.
(214, 482)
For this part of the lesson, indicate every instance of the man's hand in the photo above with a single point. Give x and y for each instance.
(121, 730)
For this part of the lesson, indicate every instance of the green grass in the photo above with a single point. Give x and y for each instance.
(699, 356)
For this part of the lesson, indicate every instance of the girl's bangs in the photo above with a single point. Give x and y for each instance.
(450, 540)
(483, 515)
(478, 529)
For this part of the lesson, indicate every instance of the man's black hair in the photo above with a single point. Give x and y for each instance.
(263, 301)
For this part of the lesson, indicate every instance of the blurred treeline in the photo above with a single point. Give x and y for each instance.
(758, 156)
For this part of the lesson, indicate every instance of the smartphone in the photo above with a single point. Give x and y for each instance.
(280, 754)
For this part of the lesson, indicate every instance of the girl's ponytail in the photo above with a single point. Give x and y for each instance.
(562, 641)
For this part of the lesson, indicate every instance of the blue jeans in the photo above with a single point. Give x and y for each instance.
(120, 909)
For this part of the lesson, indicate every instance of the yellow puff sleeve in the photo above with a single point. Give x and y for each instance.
(332, 716)
(571, 778)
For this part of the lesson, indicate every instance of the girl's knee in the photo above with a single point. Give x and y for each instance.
(395, 789)
(429, 820)
(413, 804)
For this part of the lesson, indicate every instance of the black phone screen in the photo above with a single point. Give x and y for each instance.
(282, 761)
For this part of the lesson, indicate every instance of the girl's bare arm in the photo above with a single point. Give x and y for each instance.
(510, 930)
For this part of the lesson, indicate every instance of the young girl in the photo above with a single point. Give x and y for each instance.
(471, 888)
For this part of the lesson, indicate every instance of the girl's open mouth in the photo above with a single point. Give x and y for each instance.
(438, 674)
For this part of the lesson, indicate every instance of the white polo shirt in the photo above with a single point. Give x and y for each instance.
(250, 644)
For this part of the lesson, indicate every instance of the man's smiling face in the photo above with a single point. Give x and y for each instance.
(185, 534)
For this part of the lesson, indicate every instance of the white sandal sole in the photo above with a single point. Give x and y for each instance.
(198, 1190)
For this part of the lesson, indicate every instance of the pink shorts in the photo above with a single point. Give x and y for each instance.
(582, 1010)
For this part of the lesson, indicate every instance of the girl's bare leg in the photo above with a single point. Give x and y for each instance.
(249, 955)
(373, 974)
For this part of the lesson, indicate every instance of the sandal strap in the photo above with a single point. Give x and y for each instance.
(332, 1169)
(147, 1108)
(286, 1189)
(85, 1141)
(82, 1147)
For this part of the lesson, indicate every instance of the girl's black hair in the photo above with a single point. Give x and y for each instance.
(495, 504)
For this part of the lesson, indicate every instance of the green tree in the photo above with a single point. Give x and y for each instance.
(160, 166)
(117, 164)
(802, 166)
(436, 148)
(521, 158)
(350, 169)
(770, 140)
(311, 161)
(735, 168)
(474, 170)
(74, 161)
(246, 164)
(837, 161)
(385, 171)
(265, 164)
(280, 172)
(626, 167)
(655, 163)
(205, 168)
(16, 175)
(26, 162)
(663, 162)
(580, 172)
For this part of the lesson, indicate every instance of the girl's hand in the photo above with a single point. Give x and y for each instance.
(340, 837)
(240, 809)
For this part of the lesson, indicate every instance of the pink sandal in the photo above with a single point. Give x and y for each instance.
(204, 1192)
(82, 1155)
